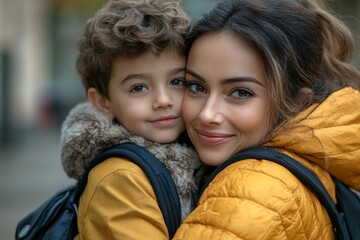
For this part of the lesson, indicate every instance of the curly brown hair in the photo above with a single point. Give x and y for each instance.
(128, 29)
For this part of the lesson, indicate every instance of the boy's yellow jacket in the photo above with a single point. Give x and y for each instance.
(119, 201)
(254, 199)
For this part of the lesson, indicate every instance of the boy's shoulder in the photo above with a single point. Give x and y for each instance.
(115, 167)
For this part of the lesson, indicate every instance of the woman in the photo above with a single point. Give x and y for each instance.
(277, 74)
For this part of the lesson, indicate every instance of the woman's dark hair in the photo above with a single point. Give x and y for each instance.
(302, 45)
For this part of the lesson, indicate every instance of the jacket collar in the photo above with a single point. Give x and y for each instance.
(328, 135)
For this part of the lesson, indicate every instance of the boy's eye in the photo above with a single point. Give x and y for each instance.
(178, 82)
(138, 88)
(241, 93)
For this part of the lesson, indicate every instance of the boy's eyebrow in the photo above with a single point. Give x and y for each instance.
(131, 76)
(141, 75)
(177, 70)
(228, 80)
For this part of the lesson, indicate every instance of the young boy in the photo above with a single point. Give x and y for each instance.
(131, 60)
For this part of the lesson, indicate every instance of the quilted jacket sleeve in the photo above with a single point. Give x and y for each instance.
(256, 200)
(119, 203)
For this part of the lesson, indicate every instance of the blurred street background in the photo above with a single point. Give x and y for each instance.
(39, 84)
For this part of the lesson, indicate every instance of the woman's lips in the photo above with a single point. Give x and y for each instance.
(213, 138)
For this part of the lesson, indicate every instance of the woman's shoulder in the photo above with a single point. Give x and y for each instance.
(257, 169)
(262, 196)
(258, 180)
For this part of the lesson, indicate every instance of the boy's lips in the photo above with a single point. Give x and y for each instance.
(213, 138)
(165, 121)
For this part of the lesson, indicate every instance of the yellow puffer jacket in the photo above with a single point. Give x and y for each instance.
(254, 199)
(119, 203)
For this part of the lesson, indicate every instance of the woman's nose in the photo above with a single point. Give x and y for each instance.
(212, 112)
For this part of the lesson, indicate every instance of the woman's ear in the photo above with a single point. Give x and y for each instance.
(305, 97)
(100, 102)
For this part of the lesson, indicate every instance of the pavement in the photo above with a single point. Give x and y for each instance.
(30, 173)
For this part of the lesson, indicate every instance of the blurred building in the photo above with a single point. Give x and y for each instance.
(38, 80)
(37, 52)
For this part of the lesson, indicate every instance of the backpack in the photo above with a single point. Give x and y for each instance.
(345, 216)
(57, 217)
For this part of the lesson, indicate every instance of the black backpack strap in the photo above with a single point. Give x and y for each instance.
(349, 204)
(306, 176)
(159, 176)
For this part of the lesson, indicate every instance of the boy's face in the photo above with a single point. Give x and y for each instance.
(146, 93)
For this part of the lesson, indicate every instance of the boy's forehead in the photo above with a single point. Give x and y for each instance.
(138, 59)
(125, 57)
(167, 61)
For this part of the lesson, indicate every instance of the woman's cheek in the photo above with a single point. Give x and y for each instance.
(190, 109)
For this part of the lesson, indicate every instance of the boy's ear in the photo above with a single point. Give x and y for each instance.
(100, 102)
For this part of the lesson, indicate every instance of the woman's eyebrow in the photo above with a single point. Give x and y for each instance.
(228, 80)
(241, 79)
(194, 74)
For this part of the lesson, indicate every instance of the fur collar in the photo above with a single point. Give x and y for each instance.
(86, 132)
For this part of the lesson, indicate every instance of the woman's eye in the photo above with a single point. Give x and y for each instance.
(177, 82)
(195, 88)
(138, 88)
(241, 93)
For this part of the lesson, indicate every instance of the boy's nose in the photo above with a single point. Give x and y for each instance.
(162, 100)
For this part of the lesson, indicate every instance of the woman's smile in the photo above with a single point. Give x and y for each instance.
(213, 138)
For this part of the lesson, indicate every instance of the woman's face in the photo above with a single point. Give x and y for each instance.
(226, 104)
